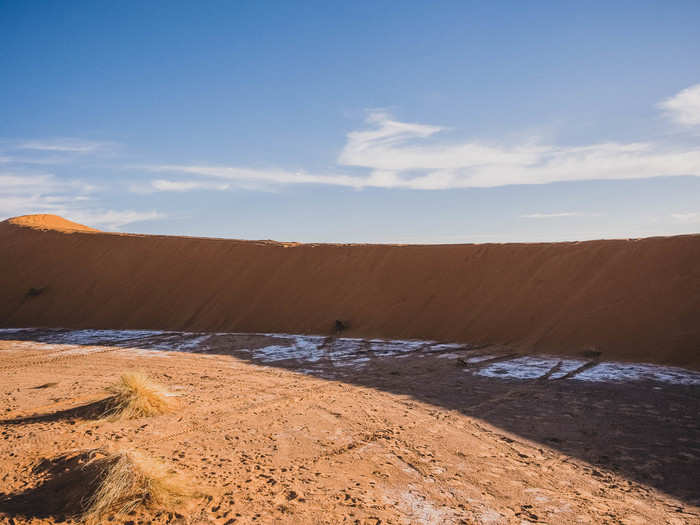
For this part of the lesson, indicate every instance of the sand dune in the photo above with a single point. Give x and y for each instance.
(49, 222)
(629, 299)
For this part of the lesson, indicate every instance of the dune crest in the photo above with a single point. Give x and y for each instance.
(629, 299)
(47, 221)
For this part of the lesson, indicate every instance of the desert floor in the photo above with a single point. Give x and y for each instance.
(288, 429)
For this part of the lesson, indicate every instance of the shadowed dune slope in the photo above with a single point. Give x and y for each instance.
(629, 299)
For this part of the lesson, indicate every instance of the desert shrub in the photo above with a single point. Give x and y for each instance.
(94, 486)
(135, 395)
(127, 480)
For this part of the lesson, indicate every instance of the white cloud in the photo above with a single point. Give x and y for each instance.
(112, 219)
(19, 183)
(243, 175)
(65, 145)
(16, 181)
(49, 152)
(684, 107)
(689, 217)
(551, 215)
(398, 161)
(392, 146)
(178, 186)
(393, 156)
(27, 193)
(186, 185)
(389, 153)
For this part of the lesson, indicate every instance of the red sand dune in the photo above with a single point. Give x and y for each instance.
(50, 222)
(629, 299)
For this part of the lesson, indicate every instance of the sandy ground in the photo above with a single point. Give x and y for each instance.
(285, 429)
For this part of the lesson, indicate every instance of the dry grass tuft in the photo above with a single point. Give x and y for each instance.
(134, 395)
(126, 480)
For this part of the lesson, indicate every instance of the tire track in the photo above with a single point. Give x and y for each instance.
(574, 373)
(195, 426)
(30, 360)
(550, 372)
(57, 358)
(486, 362)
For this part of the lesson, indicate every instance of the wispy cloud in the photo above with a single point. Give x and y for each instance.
(112, 219)
(65, 145)
(396, 154)
(684, 107)
(25, 193)
(19, 183)
(688, 217)
(49, 152)
(395, 161)
(21, 194)
(178, 186)
(186, 185)
(390, 146)
(243, 175)
(551, 215)
(23, 190)
(402, 162)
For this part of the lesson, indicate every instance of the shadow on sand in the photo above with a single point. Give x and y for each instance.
(89, 411)
(67, 482)
(646, 431)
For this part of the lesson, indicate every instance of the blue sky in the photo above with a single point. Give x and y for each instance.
(354, 121)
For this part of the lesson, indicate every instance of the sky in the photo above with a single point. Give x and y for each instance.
(330, 121)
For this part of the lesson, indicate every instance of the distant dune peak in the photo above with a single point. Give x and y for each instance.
(46, 221)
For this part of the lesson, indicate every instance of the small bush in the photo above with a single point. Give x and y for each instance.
(91, 486)
(128, 479)
(134, 396)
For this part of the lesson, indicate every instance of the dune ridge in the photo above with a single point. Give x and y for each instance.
(47, 221)
(636, 299)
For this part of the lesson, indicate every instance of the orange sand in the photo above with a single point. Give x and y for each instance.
(50, 222)
(414, 440)
(629, 299)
